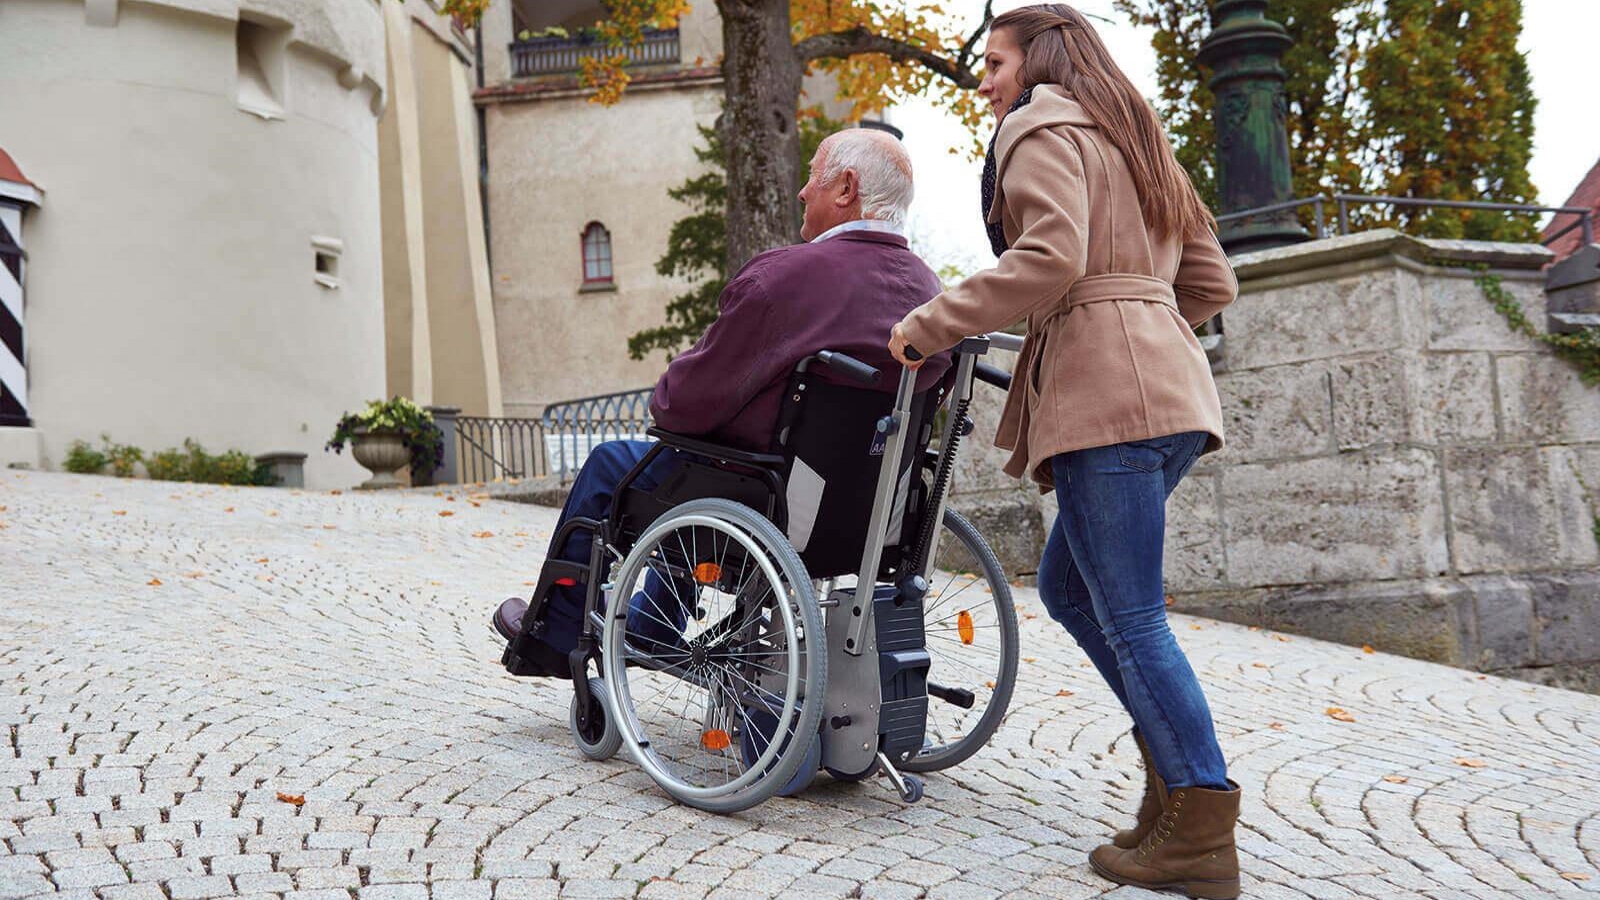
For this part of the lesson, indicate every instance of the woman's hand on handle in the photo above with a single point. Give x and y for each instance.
(898, 345)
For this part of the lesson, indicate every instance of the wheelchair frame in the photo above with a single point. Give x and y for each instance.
(852, 736)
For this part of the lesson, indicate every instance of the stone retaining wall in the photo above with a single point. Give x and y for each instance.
(1402, 468)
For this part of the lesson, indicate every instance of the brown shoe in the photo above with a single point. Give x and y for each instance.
(1190, 848)
(1149, 807)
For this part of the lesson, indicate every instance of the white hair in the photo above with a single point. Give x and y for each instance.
(882, 167)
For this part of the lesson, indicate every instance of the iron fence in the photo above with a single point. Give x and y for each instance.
(558, 56)
(557, 443)
(1584, 217)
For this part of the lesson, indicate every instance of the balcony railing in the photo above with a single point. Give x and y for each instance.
(557, 56)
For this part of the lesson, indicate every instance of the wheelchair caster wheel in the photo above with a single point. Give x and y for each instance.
(599, 738)
(913, 789)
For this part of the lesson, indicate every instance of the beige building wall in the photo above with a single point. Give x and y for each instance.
(439, 317)
(558, 162)
(172, 288)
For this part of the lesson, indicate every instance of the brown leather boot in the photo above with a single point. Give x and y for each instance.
(1149, 807)
(1190, 848)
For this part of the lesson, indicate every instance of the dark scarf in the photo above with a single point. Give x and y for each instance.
(997, 234)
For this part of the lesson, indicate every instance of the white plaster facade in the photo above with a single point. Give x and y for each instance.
(172, 287)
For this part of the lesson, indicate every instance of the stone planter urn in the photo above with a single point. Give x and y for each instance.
(383, 453)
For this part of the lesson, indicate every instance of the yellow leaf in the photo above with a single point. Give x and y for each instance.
(483, 534)
(1470, 763)
(330, 527)
(1063, 693)
(335, 492)
(1367, 648)
(292, 799)
(1195, 628)
(1255, 628)
(474, 503)
(1275, 726)
(194, 574)
(119, 512)
(1338, 714)
(1029, 659)
(446, 512)
(262, 560)
(1574, 876)
(1261, 665)
(154, 582)
(228, 509)
(1283, 638)
(1396, 779)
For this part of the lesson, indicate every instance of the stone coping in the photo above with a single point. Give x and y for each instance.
(1383, 242)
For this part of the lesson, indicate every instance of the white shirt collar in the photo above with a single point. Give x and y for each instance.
(877, 225)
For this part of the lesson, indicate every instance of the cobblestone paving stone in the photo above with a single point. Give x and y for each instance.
(172, 657)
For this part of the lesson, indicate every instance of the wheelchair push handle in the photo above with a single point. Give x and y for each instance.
(850, 367)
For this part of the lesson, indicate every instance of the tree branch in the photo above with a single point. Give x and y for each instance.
(845, 44)
(964, 58)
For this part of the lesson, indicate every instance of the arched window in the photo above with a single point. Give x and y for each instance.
(596, 254)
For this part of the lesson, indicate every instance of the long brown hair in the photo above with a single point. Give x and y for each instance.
(1059, 46)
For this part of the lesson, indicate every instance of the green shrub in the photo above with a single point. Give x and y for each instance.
(123, 457)
(83, 459)
(170, 464)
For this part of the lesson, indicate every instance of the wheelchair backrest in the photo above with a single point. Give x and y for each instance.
(827, 433)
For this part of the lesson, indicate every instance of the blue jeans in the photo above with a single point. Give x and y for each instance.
(1100, 577)
(592, 490)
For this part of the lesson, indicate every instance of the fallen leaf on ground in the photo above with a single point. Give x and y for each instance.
(331, 527)
(262, 560)
(119, 512)
(1275, 726)
(519, 534)
(1340, 715)
(1367, 648)
(1255, 628)
(154, 582)
(1574, 876)
(990, 684)
(228, 509)
(1030, 615)
(292, 799)
(483, 534)
(450, 497)
(1470, 763)
(446, 512)
(1280, 637)
(474, 503)
(1195, 628)
(1396, 779)
(272, 513)
(1261, 665)
(336, 492)
(1063, 693)
(195, 574)
(1029, 659)
(1170, 601)
(534, 583)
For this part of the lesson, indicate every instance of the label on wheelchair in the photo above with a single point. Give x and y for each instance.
(880, 443)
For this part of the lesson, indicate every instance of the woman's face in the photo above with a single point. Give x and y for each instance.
(1002, 72)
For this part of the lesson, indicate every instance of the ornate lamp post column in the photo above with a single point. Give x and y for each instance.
(1243, 51)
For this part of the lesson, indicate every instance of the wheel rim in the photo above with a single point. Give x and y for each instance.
(684, 694)
(965, 641)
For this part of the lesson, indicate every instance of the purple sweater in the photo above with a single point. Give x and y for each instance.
(843, 294)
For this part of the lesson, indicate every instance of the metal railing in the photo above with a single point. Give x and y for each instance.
(1342, 202)
(489, 448)
(558, 56)
(573, 428)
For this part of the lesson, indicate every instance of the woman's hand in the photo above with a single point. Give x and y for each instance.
(897, 349)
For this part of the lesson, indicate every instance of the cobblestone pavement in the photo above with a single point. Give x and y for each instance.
(172, 657)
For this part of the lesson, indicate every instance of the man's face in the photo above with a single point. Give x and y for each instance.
(827, 205)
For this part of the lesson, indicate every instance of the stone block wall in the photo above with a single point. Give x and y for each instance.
(1402, 469)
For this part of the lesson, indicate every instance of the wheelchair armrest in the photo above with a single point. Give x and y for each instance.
(716, 451)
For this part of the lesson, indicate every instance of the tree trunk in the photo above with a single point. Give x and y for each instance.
(761, 85)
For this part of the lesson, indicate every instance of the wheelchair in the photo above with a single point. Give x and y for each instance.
(758, 618)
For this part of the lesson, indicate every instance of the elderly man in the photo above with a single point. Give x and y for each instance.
(844, 289)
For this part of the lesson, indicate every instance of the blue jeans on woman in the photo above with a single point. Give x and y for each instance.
(1100, 576)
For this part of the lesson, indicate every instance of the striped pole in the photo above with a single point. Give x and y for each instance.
(13, 371)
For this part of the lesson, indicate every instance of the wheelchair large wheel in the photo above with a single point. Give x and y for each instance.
(971, 629)
(715, 656)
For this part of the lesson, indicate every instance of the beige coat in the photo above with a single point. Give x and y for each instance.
(1110, 354)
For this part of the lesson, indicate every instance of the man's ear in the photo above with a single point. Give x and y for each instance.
(849, 189)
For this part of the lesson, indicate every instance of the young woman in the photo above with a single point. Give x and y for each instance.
(1108, 253)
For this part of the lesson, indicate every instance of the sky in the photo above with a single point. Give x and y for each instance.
(1557, 36)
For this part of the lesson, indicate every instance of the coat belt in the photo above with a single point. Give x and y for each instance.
(1099, 288)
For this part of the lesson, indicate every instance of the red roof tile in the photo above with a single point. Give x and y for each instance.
(1586, 195)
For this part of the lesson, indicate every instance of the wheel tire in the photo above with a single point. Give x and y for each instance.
(782, 771)
(603, 739)
(947, 755)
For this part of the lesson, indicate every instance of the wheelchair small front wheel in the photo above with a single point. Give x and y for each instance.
(597, 736)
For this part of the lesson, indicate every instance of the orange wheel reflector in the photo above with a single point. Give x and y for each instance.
(707, 573)
(715, 739)
(964, 626)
